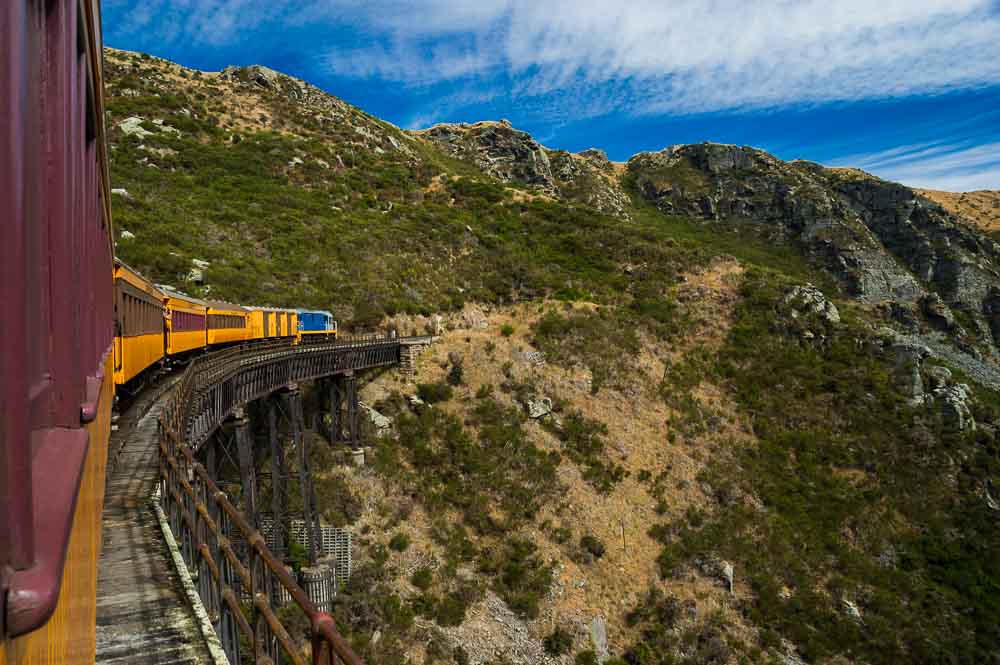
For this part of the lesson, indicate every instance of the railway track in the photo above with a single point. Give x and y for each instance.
(143, 616)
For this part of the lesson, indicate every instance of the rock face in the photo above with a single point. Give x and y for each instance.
(810, 299)
(599, 638)
(883, 240)
(381, 423)
(511, 155)
(499, 150)
(953, 405)
(930, 387)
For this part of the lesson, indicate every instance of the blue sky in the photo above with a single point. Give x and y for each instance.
(907, 89)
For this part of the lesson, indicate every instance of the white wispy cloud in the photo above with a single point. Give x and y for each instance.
(955, 167)
(682, 56)
(687, 56)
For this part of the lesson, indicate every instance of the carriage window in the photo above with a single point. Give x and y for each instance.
(226, 321)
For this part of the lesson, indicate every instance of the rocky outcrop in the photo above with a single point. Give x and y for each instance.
(591, 178)
(499, 150)
(539, 408)
(808, 299)
(884, 241)
(930, 387)
(513, 156)
(953, 404)
(957, 263)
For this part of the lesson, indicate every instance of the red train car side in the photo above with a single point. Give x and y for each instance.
(55, 328)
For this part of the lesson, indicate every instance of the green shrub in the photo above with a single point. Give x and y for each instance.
(506, 330)
(434, 392)
(592, 545)
(583, 337)
(558, 642)
(583, 441)
(450, 610)
(484, 391)
(520, 577)
(422, 578)
(455, 375)
(399, 542)
(587, 657)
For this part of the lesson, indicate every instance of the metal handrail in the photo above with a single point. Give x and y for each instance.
(204, 518)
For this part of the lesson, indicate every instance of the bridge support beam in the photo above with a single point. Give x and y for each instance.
(336, 406)
(310, 514)
(279, 488)
(344, 397)
(244, 446)
(352, 409)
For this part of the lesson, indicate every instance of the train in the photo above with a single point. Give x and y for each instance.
(157, 326)
(76, 325)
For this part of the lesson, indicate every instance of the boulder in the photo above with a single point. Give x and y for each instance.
(539, 408)
(536, 358)
(599, 638)
(472, 317)
(166, 128)
(132, 126)
(953, 407)
(808, 299)
(719, 569)
(937, 376)
(381, 423)
(852, 610)
(909, 358)
(727, 575)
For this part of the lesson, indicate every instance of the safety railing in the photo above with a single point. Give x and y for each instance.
(239, 581)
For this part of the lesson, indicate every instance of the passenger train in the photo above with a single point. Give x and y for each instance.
(156, 324)
(75, 324)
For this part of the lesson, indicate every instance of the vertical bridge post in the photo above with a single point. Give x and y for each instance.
(279, 475)
(310, 515)
(244, 446)
(352, 409)
(336, 406)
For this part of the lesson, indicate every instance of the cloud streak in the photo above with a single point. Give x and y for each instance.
(687, 56)
(683, 56)
(956, 167)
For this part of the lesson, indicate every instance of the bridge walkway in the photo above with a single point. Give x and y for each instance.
(143, 614)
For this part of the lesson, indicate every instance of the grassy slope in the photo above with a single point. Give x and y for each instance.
(850, 494)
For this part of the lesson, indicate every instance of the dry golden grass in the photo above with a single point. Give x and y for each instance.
(980, 208)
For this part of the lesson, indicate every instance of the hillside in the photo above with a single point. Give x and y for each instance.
(981, 207)
(703, 407)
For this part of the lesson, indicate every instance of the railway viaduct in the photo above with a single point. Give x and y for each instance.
(194, 570)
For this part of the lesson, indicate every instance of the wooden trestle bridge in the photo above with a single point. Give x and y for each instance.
(174, 460)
